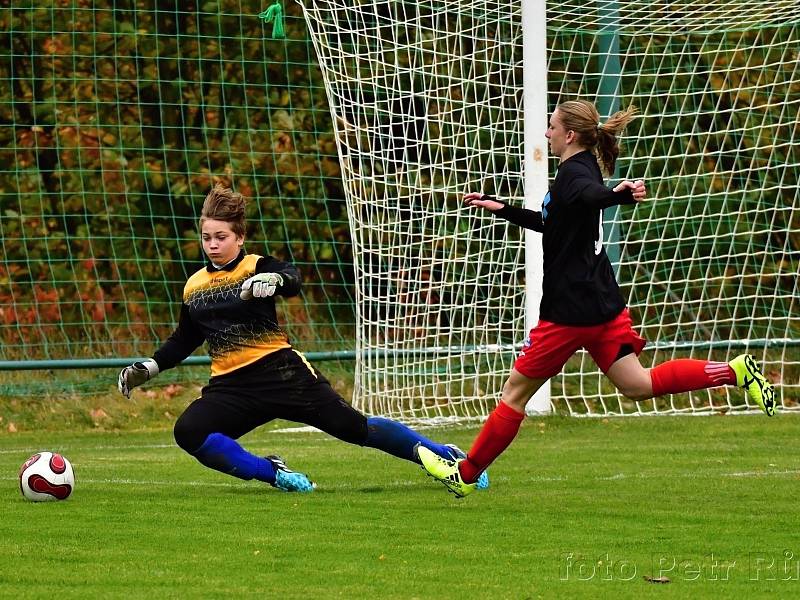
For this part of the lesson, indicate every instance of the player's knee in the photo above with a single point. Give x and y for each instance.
(337, 418)
(519, 390)
(518, 403)
(355, 432)
(633, 383)
(188, 437)
(635, 391)
(347, 428)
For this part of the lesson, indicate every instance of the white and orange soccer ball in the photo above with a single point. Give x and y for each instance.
(46, 476)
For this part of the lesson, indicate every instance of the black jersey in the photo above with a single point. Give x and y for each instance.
(238, 332)
(579, 286)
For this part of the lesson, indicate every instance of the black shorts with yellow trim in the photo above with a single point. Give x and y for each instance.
(281, 385)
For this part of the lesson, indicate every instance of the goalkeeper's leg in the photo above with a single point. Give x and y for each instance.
(402, 441)
(399, 440)
(331, 414)
(208, 431)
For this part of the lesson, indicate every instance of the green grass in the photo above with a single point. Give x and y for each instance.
(577, 509)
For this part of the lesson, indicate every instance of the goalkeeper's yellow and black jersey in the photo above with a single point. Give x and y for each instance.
(237, 332)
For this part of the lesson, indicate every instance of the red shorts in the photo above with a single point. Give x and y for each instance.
(549, 345)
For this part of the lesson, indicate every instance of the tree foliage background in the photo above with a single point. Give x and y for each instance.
(115, 120)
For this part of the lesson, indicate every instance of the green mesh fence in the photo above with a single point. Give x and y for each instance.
(115, 120)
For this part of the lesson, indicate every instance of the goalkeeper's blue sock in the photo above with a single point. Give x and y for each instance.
(398, 440)
(221, 453)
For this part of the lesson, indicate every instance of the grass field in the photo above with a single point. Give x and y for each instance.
(577, 509)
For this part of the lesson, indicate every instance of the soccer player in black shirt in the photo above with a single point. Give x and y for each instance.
(256, 375)
(581, 303)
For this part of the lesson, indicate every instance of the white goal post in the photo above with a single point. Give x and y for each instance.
(429, 100)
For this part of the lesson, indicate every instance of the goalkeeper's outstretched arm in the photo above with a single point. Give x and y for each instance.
(183, 341)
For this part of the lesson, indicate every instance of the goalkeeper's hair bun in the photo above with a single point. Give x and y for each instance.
(223, 204)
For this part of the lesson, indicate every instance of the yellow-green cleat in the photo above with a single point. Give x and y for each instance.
(750, 377)
(457, 453)
(444, 470)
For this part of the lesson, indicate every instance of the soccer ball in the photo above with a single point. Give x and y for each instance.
(46, 476)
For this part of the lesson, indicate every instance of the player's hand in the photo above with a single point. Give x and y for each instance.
(482, 200)
(637, 188)
(135, 375)
(261, 285)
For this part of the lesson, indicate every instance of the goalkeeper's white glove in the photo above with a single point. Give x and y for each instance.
(136, 375)
(262, 285)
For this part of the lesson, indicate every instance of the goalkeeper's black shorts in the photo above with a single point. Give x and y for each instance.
(282, 385)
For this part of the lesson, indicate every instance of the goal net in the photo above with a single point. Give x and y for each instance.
(427, 103)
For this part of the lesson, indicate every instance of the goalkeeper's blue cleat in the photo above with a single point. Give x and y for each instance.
(483, 480)
(288, 480)
(749, 377)
(444, 470)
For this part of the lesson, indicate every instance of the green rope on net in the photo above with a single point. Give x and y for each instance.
(275, 14)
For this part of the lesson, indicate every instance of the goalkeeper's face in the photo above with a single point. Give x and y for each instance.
(220, 243)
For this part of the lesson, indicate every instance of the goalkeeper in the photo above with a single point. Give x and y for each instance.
(256, 375)
(581, 304)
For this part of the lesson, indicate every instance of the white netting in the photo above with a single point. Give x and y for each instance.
(427, 99)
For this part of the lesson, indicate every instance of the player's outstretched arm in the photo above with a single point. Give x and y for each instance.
(482, 200)
(529, 219)
(181, 343)
(135, 375)
(638, 188)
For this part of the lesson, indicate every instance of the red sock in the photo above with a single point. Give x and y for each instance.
(686, 374)
(497, 433)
